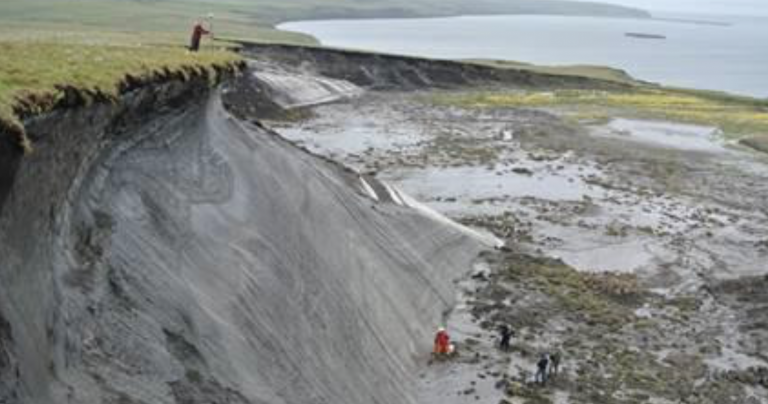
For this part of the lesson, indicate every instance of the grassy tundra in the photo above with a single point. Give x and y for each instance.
(255, 19)
(47, 45)
(739, 118)
(92, 45)
(36, 73)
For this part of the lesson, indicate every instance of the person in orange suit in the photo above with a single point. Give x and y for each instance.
(442, 342)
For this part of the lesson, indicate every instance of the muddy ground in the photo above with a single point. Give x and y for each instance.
(638, 250)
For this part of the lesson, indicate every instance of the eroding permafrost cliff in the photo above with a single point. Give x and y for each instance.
(161, 251)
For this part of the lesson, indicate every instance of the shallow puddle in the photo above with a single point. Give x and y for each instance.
(300, 90)
(665, 134)
(359, 137)
(470, 184)
(631, 255)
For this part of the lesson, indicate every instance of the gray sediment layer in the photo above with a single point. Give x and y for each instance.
(162, 251)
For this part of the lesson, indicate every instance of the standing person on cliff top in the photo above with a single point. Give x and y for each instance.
(197, 35)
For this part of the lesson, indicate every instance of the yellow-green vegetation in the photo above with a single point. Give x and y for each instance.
(34, 74)
(48, 47)
(636, 374)
(231, 19)
(255, 19)
(597, 299)
(531, 394)
(590, 71)
(92, 45)
(450, 146)
(737, 117)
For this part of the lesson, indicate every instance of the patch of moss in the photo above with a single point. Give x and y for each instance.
(685, 304)
(591, 71)
(531, 394)
(737, 117)
(459, 148)
(597, 299)
(616, 374)
(193, 376)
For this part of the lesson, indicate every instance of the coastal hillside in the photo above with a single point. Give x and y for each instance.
(255, 19)
(264, 222)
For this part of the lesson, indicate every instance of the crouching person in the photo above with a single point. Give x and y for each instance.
(443, 347)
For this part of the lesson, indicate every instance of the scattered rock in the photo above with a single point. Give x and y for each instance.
(522, 171)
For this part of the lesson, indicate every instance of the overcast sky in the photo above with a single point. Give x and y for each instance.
(742, 7)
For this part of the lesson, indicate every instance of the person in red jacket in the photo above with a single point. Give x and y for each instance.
(442, 342)
(197, 34)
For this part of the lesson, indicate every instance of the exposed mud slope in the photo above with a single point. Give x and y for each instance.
(36, 194)
(270, 93)
(400, 72)
(636, 249)
(176, 255)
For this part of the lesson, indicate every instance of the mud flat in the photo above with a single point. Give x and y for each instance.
(636, 248)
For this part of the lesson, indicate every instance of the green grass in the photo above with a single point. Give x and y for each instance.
(595, 72)
(91, 45)
(737, 117)
(242, 15)
(603, 300)
(233, 19)
(33, 72)
(253, 20)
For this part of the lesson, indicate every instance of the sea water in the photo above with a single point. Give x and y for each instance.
(724, 53)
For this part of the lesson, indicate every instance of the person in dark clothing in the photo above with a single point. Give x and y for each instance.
(505, 333)
(554, 366)
(541, 372)
(197, 34)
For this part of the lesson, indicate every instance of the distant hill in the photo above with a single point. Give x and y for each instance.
(280, 10)
(255, 19)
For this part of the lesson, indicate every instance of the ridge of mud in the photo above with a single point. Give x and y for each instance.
(383, 71)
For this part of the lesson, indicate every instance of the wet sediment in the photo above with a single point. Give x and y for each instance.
(183, 255)
(631, 255)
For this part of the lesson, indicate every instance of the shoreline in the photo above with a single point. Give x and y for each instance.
(674, 79)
